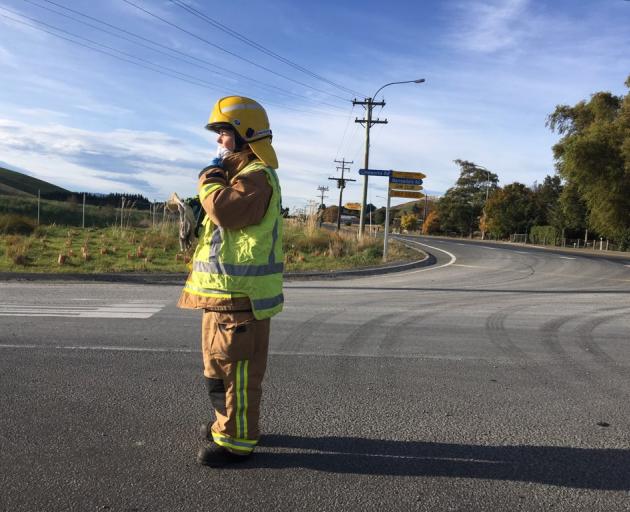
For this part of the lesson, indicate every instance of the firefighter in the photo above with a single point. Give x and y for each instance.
(236, 275)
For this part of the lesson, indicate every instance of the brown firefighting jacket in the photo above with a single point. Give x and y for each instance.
(243, 202)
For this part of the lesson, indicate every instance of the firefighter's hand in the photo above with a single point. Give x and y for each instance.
(215, 166)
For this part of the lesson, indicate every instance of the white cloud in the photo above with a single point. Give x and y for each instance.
(152, 163)
(41, 113)
(491, 25)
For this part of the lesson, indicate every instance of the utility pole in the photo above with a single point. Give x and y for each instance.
(341, 184)
(369, 104)
(322, 192)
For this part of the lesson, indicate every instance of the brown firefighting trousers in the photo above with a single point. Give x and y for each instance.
(235, 347)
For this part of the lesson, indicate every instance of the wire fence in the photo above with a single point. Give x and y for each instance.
(79, 211)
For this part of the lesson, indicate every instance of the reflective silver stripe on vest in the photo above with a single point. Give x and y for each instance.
(268, 303)
(216, 267)
(215, 243)
(274, 238)
(207, 290)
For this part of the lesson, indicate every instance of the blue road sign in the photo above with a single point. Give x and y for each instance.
(374, 172)
(405, 181)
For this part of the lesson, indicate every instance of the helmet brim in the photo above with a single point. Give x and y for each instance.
(264, 150)
(217, 127)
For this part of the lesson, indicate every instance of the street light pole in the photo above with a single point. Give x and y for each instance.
(483, 232)
(369, 103)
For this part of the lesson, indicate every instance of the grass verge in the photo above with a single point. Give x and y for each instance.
(56, 249)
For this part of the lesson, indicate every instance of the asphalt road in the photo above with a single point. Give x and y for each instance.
(496, 379)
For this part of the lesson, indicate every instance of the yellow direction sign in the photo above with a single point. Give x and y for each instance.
(352, 206)
(400, 193)
(410, 175)
(396, 186)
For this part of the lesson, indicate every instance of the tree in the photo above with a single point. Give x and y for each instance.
(462, 205)
(330, 214)
(378, 217)
(569, 213)
(431, 224)
(409, 221)
(593, 155)
(545, 199)
(509, 210)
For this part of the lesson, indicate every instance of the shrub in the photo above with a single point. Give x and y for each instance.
(18, 249)
(336, 247)
(543, 235)
(12, 224)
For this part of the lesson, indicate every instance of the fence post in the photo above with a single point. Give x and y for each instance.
(83, 217)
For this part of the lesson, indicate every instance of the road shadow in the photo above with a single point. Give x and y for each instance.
(587, 468)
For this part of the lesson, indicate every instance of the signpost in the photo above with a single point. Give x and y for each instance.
(393, 186)
(401, 184)
(403, 193)
(374, 172)
(404, 181)
(409, 175)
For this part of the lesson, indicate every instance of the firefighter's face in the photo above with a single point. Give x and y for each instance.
(226, 139)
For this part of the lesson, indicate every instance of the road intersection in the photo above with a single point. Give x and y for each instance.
(497, 378)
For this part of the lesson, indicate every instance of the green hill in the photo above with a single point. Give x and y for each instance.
(408, 206)
(16, 183)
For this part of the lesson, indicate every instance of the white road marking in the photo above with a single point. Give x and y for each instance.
(523, 252)
(452, 260)
(132, 309)
(567, 257)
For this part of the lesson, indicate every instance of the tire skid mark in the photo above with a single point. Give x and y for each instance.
(415, 318)
(361, 334)
(499, 336)
(384, 348)
(585, 340)
(295, 339)
(550, 337)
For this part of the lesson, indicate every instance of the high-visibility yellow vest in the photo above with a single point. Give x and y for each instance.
(243, 262)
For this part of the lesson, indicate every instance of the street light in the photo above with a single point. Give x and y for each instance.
(483, 232)
(487, 179)
(369, 102)
(418, 81)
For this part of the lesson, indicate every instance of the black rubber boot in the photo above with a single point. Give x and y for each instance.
(205, 431)
(215, 456)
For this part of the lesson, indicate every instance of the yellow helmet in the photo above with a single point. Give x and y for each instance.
(249, 119)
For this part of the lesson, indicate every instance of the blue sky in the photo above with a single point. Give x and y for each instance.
(494, 70)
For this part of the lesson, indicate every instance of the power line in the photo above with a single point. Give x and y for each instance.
(187, 56)
(258, 46)
(96, 49)
(344, 132)
(163, 70)
(233, 54)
